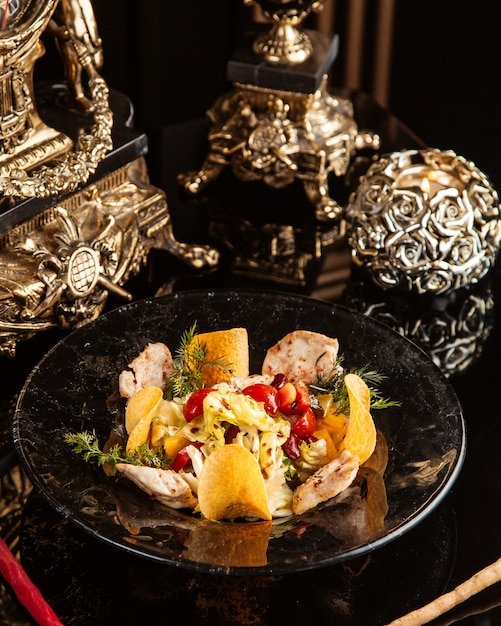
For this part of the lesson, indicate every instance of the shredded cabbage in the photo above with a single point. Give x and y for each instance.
(260, 433)
(313, 456)
(235, 408)
(167, 421)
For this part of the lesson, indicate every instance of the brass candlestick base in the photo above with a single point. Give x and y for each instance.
(285, 42)
(277, 137)
(280, 126)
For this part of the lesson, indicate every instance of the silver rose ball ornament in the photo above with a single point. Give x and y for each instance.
(425, 221)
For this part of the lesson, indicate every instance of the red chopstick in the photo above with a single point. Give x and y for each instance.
(27, 593)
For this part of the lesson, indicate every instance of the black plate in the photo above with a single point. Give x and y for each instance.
(69, 389)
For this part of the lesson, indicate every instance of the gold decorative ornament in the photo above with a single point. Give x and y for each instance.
(278, 137)
(27, 143)
(285, 42)
(281, 125)
(58, 268)
(76, 221)
(426, 221)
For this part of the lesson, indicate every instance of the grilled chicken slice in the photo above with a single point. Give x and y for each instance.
(150, 368)
(166, 486)
(327, 482)
(302, 355)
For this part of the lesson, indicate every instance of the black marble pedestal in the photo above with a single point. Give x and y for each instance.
(249, 68)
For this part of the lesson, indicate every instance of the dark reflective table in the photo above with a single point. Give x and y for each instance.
(88, 582)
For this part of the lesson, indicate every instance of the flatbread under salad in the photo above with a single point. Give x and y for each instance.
(202, 433)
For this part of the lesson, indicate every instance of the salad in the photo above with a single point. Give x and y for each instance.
(202, 433)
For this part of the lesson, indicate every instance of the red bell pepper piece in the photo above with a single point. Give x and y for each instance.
(303, 400)
(286, 397)
(293, 399)
(182, 458)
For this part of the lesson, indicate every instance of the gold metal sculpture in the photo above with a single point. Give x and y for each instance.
(277, 137)
(73, 24)
(58, 268)
(67, 240)
(284, 42)
(281, 125)
(36, 160)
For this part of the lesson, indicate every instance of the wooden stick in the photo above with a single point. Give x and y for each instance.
(478, 582)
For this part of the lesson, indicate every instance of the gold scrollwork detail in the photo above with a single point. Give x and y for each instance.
(37, 161)
(277, 137)
(75, 167)
(58, 269)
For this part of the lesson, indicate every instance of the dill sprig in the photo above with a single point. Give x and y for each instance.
(190, 362)
(334, 385)
(373, 379)
(86, 445)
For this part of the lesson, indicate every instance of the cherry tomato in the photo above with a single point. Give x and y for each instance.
(195, 403)
(305, 425)
(293, 399)
(265, 394)
(303, 400)
(182, 458)
(286, 398)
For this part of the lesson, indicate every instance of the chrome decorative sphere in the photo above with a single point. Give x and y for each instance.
(425, 221)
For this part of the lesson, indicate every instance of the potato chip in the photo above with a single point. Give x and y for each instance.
(140, 405)
(360, 438)
(231, 485)
(231, 348)
(139, 414)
